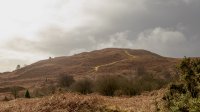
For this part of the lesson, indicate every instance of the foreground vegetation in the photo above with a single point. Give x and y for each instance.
(184, 96)
(73, 102)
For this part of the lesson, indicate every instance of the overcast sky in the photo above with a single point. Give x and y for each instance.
(31, 30)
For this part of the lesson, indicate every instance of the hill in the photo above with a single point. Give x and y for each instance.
(116, 61)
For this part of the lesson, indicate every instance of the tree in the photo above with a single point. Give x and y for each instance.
(107, 85)
(27, 94)
(5, 99)
(184, 95)
(65, 80)
(14, 92)
(18, 67)
(83, 86)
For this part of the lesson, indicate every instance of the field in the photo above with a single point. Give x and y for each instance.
(72, 102)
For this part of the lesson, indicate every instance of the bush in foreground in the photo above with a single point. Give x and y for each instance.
(184, 96)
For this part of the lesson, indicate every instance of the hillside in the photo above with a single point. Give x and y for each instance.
(127, 62)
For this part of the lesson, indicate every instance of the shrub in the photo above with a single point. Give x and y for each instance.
(18, 67)
(39, 92)
(83, 86)
(184, 95)
(118, 85)
(44, 91)
(127, 87)
(27, 94)
(65, 80)
(141, 71)
(5, 99)
(14, 92)
(107, 85)
(149, 83)
(51, 89)
(138, 85)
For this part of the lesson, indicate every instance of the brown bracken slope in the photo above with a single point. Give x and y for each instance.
(72, 102)
(91, 64)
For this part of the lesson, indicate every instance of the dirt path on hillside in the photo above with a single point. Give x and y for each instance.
(130, 56)
(97, 67)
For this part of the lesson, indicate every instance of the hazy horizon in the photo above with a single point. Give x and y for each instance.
(33, 30)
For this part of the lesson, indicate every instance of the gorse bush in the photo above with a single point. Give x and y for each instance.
(184, 96)
(83, 86)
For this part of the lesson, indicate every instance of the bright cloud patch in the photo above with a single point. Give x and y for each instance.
(161, 40)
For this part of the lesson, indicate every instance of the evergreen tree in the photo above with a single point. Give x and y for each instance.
(27, 94)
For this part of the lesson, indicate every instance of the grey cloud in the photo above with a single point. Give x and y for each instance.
(167, 27)
(162, 40)
(20, 44)
(118, 40)
(12, 63)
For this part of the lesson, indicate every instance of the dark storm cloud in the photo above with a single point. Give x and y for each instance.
(167, 27)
